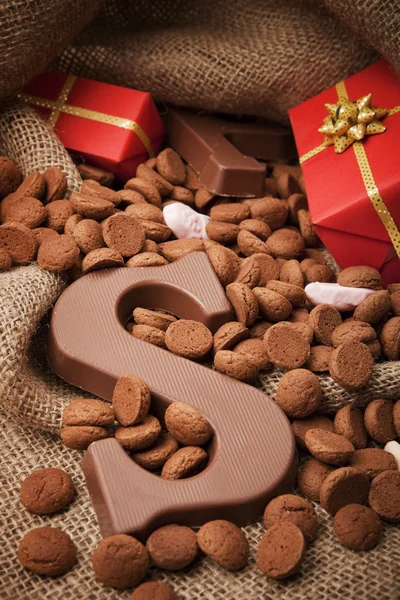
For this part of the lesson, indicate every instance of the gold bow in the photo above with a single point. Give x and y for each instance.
(350, 122)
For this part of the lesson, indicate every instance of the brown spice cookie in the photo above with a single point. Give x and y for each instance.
(78, 437)
(286, 184)
(250, 244)
(124, 234)
(156, 231)
(301, 426)
(306, 228)
(131, 400)
(244, 302)
(102, 176)
(349, 422)
(384, 496)
(102, 258)
(310, 477)
(374, 308)
(225, 263)
(235, 365)
(58, 253)
(360, 277)
(154, 318)
(149, 246)
(139, 436)
(33, 185)
(88, 235)
(357, 527)
(271, 210)
(281, 551)
(192, 180)
(389, 337)
(373, 461)
(292, 273)
(130, 197)
(71, 223)
(324, 319)
(296, 203)
(181, 194)
(249, 273)
(294, 509)
(172, 547)
(57, 214)
(258, 330)
(185, 462)
(319, 273)
(267, 265)
(228, 335)
(225, 543)
(272, 305)
(88, 411)
(47, 551)
(286, 347)
(224, 233)
(155, 457)
(254, 350)
(233, 212)
(175, 249)
(46, 491)
(353, 331)
(146, 259)
(203, 198)
(120, 561)
(299, 315)
(187, 425)
(328, 447)
(256, 227)
(343, 486)
(319, 359)
(28, 211)
(190, 339)
(146, 189)
(10, 177)
(351, 365)
(56, 184)
(378, 419)
(154, 590)
(91, 207)
(147, 212)
(285, 243)
(295, 294)
(19, 241)
(395, 303)
(270, 187)
(151, 335)
(92, 188)
(163, 186)
(170, 166)
(299, 393)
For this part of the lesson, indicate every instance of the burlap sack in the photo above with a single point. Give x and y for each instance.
(31, 401)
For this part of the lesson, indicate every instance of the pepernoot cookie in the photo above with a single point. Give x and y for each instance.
(286, 347)
(378, 419)
(259, 329)
(384, 496)
(10, 177)
(187, 425)
(58, 253)
(185, 462)
(224, 233)
(324, 319)
(91, 207)
(349, 422)
(101, 258)
(374, 308)
(172, 547)
(151, 335)
(146, 259)
(319, 359)
(373, 461)
(225, 543)
(155, 457)
(120, 561)
(256, 227)
(244, 302)
(228, 335)
(281, 551)
(28, 211)
(131, 400)
(328, 447)
(272, 305)
(271, 210)
(154, 318)
(146, 189)
(299, 393)
(289, 507)
(353, 331)
(170, 166)
(301, 426)
(343, 486)
(78, 437)
(357, 527)
(154, 590)
(46, 491)
(235, 365)
(285, 243)
(250, 244)
(57, 214)
(175, 249)
(360, 277)
(294, 293)
(351, 365)
(47, 551)
(139, 436)
(124, 234)
(88, 411)
(310, 477)
(102, 176)
(190, 339)
(292, 273)
(389, 337)
(232, 212)
(56, 184)
(254, 350)
(225, 263)
(88, 235)
(19, 241)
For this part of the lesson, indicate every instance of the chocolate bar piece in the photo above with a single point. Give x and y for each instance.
(224, 152)
(252, 453)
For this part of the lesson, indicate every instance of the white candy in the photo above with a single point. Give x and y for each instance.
(343, 298)
(185, 222)
(394, 448)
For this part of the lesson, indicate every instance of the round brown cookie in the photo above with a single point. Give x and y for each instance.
(301, 426)
(131, 400)
(170, 166)
(156, 231)
(33, 185)
(306, 264)
(258, 330)
(351, 365)
(360, 277)
(28, 211)
(271, 210)
(88, 235)
(203, 197)
(299, 315)
(146, 259)
(120, 561)
(192, 180)
(139, 436)
(349, 422)
(292, 273)
(393, 287)
(228, 335)
(310, 477)
(225, 543)
(396, 417)
(357, 527)
(145, 211)
(289, 507)
(384, 495)
(175, 249)
(224, 233)
(190, 339)
(91, 207)
(250, 244)
(172, 547)
(375, 348)
(89, 411)
(5, 259)
(254, 350)
(328, 447)
(295, 294)
(124, 234)
(154, 318)
(267, 265)
(353, 331)
(92, 188)
(131, 197)
(78, 437)
(71, 223)
(373, 461)
(47, 551)
(270, 187)
(58, 253)
(185, 462)
(149, 246)
(389, 337)
(163, 186)
(296, 202)
(102, 258)
(146, 189)
(187, 425)
(315, 255)
(324, 319)
(154, 590)
(319, 359)
(395, 303)
(47, 491)
(249, 273)
(286, 347)
(10, 177)
(343, 486)
(233, 212)
(57, 214)
(320, 273)
(183, 195)
(378, 419)
(259, 228)
(225, 263)
(281, 551)
(299, 393)
(151, 335)
(272, 305)
(287, 184)
(19, 241)
(244, 302)
(56, 184)
(306, 228)
(374, 308)
(285, 243)
(42, 233)
(102, 176)
(235, 365)
(155, 457)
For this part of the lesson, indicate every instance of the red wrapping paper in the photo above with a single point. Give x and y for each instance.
(340, 208)
(101, 144)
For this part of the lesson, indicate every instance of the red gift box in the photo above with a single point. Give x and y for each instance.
(356, 216)
(111, 127)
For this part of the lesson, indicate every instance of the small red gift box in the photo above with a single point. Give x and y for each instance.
(354, 192)
(111, 127)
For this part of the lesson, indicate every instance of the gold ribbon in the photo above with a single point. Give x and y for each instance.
(366, 174)
(60, 106)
